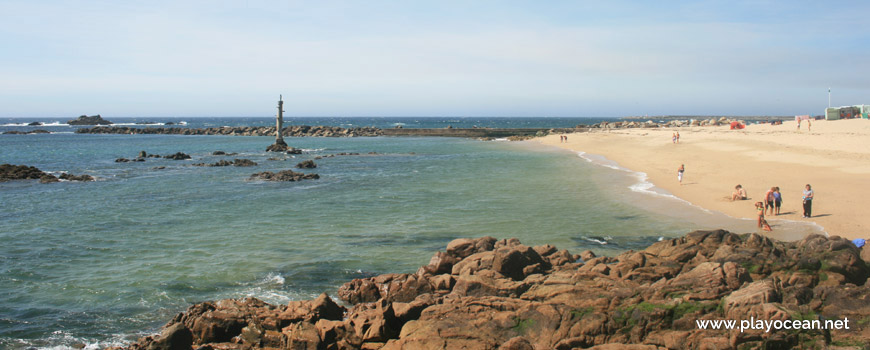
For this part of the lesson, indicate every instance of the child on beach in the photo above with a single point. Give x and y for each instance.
(759, 207)
(739, 193)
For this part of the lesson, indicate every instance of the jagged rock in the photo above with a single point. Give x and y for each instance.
(70, 177)
(500, 294)
(19, 172)
(142, 154)
(308, 164)
(244, 162)
(284, 175)
(47, 179)
(177, 156)
(92, 120)
(34, 124)
(277, 147)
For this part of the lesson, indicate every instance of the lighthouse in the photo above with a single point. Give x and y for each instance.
(279, 123)
(280, 145)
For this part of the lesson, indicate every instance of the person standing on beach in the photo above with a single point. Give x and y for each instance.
(674, 137)
(678, 137)
(769, 199)
(680, 172)
(808, 201)
(777, 199)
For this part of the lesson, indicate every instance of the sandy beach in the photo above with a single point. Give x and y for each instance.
(832, 157)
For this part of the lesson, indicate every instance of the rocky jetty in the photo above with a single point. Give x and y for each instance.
(10, 172)
(16, 132)
(674, 123)
(500, 294)
(89, 120)
(284, 175)
(290, 131)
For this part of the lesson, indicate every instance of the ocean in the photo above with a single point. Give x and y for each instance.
(102, 263)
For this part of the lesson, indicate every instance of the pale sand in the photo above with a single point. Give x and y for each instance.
(834, 158)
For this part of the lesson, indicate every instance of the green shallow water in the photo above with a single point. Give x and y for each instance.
(104, 262)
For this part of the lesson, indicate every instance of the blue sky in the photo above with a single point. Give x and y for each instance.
(432, 58)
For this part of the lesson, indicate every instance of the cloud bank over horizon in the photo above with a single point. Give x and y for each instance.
(487, 58)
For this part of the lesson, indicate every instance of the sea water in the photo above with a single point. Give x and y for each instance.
(102, 263)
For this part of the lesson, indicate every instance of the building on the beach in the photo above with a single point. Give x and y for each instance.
(847, 112)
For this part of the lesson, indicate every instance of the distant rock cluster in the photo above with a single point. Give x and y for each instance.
(89, 120)
(235, 162)
(142, 155)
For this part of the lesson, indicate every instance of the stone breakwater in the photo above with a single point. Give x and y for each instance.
(500, 294)
(675, 123)
(290, 131)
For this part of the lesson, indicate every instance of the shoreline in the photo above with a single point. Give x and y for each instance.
(758, 157)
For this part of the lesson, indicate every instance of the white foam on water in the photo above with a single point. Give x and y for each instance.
(642, 185)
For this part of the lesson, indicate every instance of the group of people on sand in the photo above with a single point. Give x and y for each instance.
(675, 138)
(773, 202)
(563, 138)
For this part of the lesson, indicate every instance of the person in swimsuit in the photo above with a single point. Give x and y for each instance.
(739, 193)
(759, 208)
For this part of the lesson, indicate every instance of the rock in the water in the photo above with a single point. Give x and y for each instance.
(277, 147)
(177, 156)
(19, 172)
(92, 120)
(308, 164)
(35, 124)
(70, 177)
(284, 175)
(244, 162)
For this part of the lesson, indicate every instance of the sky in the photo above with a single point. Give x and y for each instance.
(431, 58)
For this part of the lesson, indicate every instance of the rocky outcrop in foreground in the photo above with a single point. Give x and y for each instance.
(500, 294)
(291, 131)
(23, 172)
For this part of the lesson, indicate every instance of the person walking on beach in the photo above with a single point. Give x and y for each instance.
(678, 137)
(777, 199)
(808, 201)
(680, 172)
(759, 208)
(673, 137)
